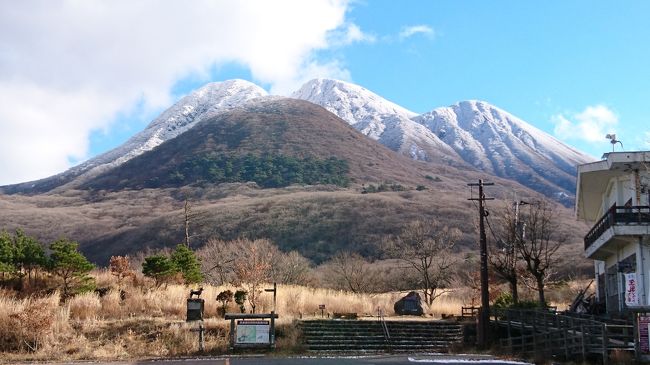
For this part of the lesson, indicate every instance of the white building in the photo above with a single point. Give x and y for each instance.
(613, 196)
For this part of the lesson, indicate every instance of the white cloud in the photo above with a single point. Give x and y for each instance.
(410, 31)
(354, 34)
(69, 67)
(591, 125)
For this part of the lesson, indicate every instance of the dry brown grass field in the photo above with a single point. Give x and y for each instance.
(150, 321)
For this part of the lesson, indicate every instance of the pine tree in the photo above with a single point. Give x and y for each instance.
(71, 266)
(159, 267)
(187, 263)
(6, 253)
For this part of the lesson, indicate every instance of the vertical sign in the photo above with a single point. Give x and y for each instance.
(644, 339)
(631, 294)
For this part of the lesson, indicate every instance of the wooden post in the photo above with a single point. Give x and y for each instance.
(509, 330)
(534, 333)
(201, 338)
(582, 337)
(605, 343)
(272, 332)
(545, 343)
(566, 339)
(232, 333)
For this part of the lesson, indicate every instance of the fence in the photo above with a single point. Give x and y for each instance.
(549, 333)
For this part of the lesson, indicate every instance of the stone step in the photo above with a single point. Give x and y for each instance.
(343, 337)
(368, 336)
(376, 347)
(381, 341)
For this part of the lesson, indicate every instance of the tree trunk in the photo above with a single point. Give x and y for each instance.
(187, 223)
(540, 290)
(513, 289)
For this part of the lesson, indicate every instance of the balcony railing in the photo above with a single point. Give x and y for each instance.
(618, 215)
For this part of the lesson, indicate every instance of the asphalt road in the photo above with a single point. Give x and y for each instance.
(343, 360)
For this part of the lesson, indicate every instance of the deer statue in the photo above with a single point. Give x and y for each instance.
(196, 292)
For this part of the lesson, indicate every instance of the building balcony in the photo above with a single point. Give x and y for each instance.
(619, 225)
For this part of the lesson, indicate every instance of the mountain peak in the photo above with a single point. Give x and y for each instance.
(498, 142)
(376, 117)
(337, 95)
(206, 101)
(231, 87)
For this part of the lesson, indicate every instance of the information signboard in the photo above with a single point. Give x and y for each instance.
(644, 338)
(253, 332)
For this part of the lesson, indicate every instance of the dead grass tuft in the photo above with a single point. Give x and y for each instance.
(27, 325)
(85, 306)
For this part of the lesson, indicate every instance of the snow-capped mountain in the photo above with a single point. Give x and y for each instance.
(468, 134)
(498, 142)
(377, 118)
(201, 103)
(482, 135)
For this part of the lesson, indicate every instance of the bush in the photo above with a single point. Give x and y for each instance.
(240, 299)
(224, 297)
(504, 301)
(27, 324)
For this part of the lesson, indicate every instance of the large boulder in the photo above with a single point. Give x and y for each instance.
(411, 304)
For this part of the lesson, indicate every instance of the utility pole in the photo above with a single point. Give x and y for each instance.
(484, 315)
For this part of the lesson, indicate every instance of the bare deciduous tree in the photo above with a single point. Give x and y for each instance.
(503, 255)
(539, 242)
(350, 271)
(252, 266)
(291, 268)
(426, 247)
(217, 261)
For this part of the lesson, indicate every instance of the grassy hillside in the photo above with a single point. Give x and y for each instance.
(314, 220)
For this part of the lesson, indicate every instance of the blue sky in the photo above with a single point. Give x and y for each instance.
(575, 69)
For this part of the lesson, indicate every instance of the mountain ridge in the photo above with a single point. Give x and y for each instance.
(279, 168)
(471, 132)
(468, 134)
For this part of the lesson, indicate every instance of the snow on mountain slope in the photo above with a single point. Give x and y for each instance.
(376, 117)
(201, 103)
(474, 132)
(469, 133)
(498, 142)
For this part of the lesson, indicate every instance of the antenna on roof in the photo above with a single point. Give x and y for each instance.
(613, 140)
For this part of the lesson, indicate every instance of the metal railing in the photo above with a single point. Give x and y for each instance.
(618, 215)
(543, 332)
(384, 328)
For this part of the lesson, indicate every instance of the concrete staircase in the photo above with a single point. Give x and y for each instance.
(368, 336)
